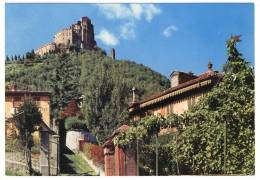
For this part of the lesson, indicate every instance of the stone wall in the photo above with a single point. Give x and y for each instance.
(79, 35)
(51, 47)
(63, 38)
(73, 138)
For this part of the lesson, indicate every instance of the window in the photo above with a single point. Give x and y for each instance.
(37, 101)
(17, 101)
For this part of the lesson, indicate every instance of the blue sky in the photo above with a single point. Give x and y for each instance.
(164, 37)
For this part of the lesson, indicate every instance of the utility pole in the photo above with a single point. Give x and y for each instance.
(225, 146)
(137, 157)
(156, 151)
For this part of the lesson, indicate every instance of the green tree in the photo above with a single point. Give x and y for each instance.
(7, 59)
(64, 82)
(219, 135)
(26, 120)
(30, 55)
(98, 96)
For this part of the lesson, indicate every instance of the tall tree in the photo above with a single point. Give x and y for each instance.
(26, 120)
(98, 95)
(7, 59)
(64, 83)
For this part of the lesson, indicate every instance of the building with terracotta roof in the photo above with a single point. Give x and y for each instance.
(15, 98)
(185, 90)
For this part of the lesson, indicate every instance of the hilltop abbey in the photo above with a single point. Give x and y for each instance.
(79, 36)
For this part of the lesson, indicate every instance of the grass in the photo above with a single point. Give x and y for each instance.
(74, 165)
(10, 172)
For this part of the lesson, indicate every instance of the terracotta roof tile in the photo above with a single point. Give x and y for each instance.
(202, 77)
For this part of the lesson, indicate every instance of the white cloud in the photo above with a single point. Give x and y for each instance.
(132, 11)
(137, 10)
(115, 11)
(150, 11)
(129, 14)
(127, 30)
(107, 38)
(167, 32)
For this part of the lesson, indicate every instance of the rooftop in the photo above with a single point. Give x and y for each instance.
(208, 78)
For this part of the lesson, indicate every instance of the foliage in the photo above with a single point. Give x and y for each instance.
(30, 55)
(146, 128)
(64, 83)
(216, 136)
(87, 150)
(16, 172)
(73, 123)
(26, 120)
(76, 74)
(166, 165)
(227, 111)
(12, 144)
(107, 94)
(71, 110)
(94, 152)
(75, 165)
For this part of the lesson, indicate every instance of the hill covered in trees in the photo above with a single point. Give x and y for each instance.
(103, 84)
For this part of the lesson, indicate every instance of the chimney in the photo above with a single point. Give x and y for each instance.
(178, 77)
(134, 95)
(210, 69)
(113, 53)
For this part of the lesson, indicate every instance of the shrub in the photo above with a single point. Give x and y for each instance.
(87, 150)
(97, 154)
(73, 123)
(12, 145)
(94, 152)
(166, 165)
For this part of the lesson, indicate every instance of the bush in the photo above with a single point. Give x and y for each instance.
(166, 165)
(97, 154)
(73, 123)
(12, 145)
(87, 150)
(94, 152)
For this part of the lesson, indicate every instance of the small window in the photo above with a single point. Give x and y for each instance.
(17, 101)
(36, 100)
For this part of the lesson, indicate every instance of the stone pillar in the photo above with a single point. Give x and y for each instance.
(55, 154)
(113, 53)
(44, 153)
(109, 161)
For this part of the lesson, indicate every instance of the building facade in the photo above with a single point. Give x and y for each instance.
(78, 36)
(185, 90)
(44, 136)
(15, 98)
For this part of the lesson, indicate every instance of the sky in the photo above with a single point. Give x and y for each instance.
(164, 37)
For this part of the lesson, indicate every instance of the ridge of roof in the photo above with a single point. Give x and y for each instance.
(202, 77)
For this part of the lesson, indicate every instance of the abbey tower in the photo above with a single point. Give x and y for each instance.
(78, 36)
